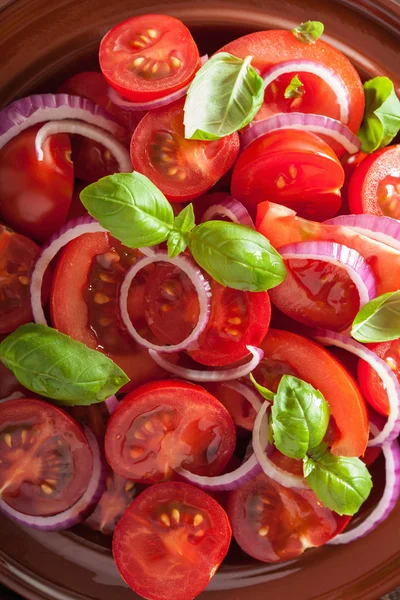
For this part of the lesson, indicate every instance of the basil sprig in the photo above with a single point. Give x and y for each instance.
(309, 32)
(53, 365)
(295, 88)
(381, 121)
(378, 320)
(224, 96)
(234, 255)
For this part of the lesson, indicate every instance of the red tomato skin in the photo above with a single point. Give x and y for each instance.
(35, 196)
(371, 384)
(89, 84)
(350, 162)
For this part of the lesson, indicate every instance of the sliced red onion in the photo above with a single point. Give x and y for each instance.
(92, 132)
(319, 124)
(210, 376)
(248, 392)
(392, 427)
(341, 256)
(230, 208)
(12, 396)
(316, 68)
(261, 448)
(200, 284)
(81, 509)
(383, 229)
(24, 113)
(229, 481)
(112, 404)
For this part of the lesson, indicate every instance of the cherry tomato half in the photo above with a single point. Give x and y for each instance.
(45, 460)
(182, 169)
(294, 168)
(170, 541)
(370, 383)
(168, 425)
(349, 163)
(148, 57)
(116, 498)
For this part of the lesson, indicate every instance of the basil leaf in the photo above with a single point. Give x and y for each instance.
(341, 483)
(299, 416)
(177, 243)
(381, 121)
(131, 208)
(295, 88)
(265, 393)
(51, 364)
(236, 256)
(378, 320)
(224, 96)
(185, 220)
(309, 32)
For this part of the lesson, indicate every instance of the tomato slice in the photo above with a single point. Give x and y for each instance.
(375, 185)
(349, 163)
(237, 319)
(148, 57)
(35, 196)
(182, 169)
(240, 409)
(294, 168)
(286, 352)
(370, 383)
(116, 498)
(168, 425)
(171, 541)
(269, 48)
(91, 269)
(89, 84)
(45, 459)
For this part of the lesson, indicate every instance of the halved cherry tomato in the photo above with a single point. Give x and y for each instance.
(170, 542)
(269, 48)
(237, 319)
(349, 163)
(168, 425)
(182, 169)
(148, 57)
(35, 196)
(240, 409)
(370, 383)
(375, 185)
(294, 168)
(91, 268)
(45, 459)
(116, 498)
(289, 353)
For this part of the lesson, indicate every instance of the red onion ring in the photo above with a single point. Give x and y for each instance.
(316, 68)
(200, 284)
(92, 132)
(81, 509)
(249, 393)
(13, 396)
(112, 404)
(319, 124)
(382, 229)
(210, 376)
(230, 208)
(229, 481)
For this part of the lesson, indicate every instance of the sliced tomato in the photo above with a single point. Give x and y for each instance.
(375, 185)
(91, 269)
(370, 383)
(286, 352)
(45, 459)
(269, 48)
(148, 56)
(281, 226)
(168, 425)
(238, 319)
(89, 84)
(182, 169)
(35, 196)
(350, 163)
(116, 498)
(294, 168)
(171, 541)
(240, 409)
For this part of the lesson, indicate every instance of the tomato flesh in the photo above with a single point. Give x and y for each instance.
(370, 383)
(240, 409)
(116, 498)
(170, 542)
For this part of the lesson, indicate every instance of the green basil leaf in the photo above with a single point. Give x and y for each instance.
(131, 208)
(51, 364)
(339, 482)
(265, 392)
(299, 416)
(224, 96)
(378, 320)
(381, 121)
(236, 256)
(185, 220)
(177, 243)
(295, 88)
(309, 32)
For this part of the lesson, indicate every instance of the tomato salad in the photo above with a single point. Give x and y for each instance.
(194, 251)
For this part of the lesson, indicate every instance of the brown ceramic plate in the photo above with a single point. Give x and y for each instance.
(42, 42)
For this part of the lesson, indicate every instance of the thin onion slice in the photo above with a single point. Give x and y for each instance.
(210, 376)
(112, 404)
(316, 68)
(13, 396)
(231, 209)
(200, 284)
(249, 469)
(341, 256)
(391, 428)
(90, 131)
(247, 392)
(380, 228)
(78, 511)
(319, 124)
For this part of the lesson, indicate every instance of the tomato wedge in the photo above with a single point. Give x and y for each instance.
(45, 459)
(166, 425)
(370, 383)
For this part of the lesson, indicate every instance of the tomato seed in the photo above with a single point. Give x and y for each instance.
(165, 519)
(176, 515)
(263, 531)
(198, 520)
